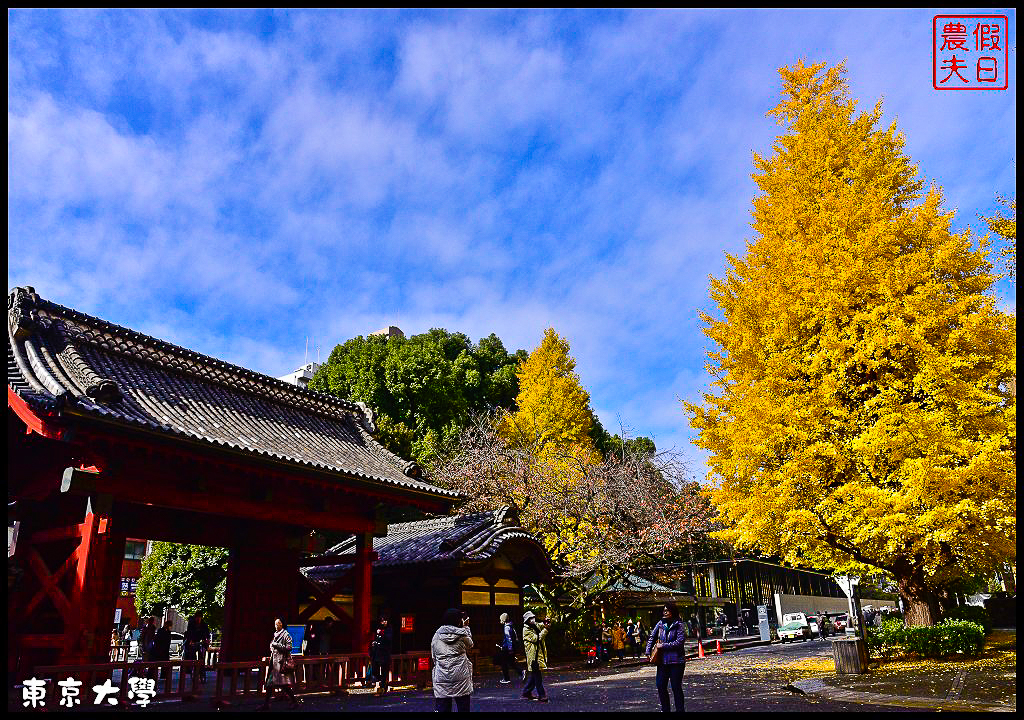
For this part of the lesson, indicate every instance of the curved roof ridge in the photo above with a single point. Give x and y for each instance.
(35, 301)
(58, 355)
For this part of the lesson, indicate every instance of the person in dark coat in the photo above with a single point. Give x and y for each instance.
(146, 639)
(197, 640)
(380, 655)
(507, 648)
(668, 636)
(324, 636)
(162, 645)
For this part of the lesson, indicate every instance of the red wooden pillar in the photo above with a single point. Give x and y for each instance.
(94, 590)
(261, 587)
(363, 601)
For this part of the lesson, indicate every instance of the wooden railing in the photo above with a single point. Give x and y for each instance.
(316, 673)
(234, 680)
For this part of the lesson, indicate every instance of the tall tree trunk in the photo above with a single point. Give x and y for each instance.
(922, 601)
(1009, 584)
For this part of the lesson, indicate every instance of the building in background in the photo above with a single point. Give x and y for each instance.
(303, 375)
(389, 332)
(478, 562)
(135, 551)
(740, 584)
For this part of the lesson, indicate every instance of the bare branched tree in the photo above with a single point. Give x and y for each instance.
(600, 518)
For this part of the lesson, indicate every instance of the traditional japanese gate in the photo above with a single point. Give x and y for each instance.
(114, 434)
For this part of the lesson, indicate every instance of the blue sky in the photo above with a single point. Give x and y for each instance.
(237, 181)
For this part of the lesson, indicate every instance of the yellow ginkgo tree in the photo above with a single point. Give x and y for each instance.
(552, 411)
(600, 517)
(862, 413)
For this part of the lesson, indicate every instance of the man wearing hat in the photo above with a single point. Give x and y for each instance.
(534, 633)
(507, 648)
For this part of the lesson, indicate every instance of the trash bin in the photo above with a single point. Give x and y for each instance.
(850, 654)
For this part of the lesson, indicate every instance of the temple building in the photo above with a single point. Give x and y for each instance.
(478, 562)
(113, 434)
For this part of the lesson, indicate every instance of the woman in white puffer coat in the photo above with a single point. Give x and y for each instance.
(453, 672)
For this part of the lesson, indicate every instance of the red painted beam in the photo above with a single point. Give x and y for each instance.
(224, 462)
(33, 422)
(165, 494)
(41, 641)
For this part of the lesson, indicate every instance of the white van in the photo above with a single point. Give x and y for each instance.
(801, 618)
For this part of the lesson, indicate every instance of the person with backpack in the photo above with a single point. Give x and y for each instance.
(665, 647)
(507, 648)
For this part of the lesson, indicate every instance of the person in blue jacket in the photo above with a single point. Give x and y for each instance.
(668, 636)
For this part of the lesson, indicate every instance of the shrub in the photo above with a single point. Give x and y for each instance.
(974, 613)
(887, 639)
(950, 637)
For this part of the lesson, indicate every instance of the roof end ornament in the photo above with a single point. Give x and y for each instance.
(22, 317)
(368, 418)
(105, 391)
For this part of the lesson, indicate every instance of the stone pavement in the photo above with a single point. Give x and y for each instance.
(987, 684)
(750, 680)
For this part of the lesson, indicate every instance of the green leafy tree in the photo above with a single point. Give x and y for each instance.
(188, 578)
(424, 388)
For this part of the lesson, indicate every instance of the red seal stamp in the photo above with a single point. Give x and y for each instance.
(970, 52)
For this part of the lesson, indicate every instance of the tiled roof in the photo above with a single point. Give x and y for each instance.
(456, 538)
(60, 359)
(636, 584)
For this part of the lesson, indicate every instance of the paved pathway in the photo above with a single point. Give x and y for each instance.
(751, 680)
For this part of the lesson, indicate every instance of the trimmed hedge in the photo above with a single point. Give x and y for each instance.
(950, 637)
(974, 613)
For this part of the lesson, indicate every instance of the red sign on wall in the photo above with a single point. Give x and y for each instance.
(423, 663)
(407, 624)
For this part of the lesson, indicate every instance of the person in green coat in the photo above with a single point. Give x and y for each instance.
(534, 632)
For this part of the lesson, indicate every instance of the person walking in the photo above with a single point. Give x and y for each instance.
(162, 647)
(822, 625)
(310, 642)
(619, 641)
(146, 639)
(380, 656)
(282, 668)
(453, 671)
(127, 634)
(633, 635)
(534, 634)
(197, 640)
(507, 648)
(324, 638)
(667, 645)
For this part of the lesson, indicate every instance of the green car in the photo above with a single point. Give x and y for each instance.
(794, 631)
